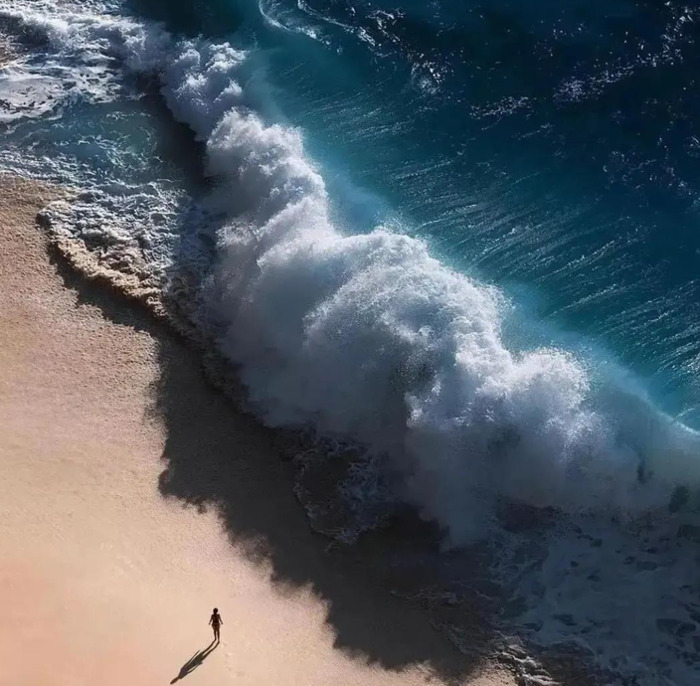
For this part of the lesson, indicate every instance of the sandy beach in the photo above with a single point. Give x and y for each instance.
(134, 498)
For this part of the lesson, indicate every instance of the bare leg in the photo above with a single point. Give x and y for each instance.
(216, 633)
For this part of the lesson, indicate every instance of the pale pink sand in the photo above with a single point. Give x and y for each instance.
(102, 580)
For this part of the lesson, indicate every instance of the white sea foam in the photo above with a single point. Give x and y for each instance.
(81, 53)
(367, 337)
(75, 50)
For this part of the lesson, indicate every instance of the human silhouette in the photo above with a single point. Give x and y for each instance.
(216, 622)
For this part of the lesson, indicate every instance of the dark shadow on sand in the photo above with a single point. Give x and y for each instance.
(195, 661)
(217, 456)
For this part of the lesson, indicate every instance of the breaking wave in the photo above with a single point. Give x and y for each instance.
(368, 337)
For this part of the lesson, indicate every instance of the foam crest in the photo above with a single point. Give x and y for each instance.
(369, 338)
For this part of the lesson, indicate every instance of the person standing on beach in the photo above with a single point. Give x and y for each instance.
(215, 622)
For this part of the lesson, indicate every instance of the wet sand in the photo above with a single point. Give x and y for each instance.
(134, 498)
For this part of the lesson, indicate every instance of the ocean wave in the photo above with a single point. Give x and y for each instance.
(367, 337)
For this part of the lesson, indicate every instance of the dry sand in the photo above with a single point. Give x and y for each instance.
(105, 580)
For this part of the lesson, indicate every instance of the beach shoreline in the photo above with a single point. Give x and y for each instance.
(109, 429)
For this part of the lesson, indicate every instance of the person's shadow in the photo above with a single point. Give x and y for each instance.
(195, 661)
